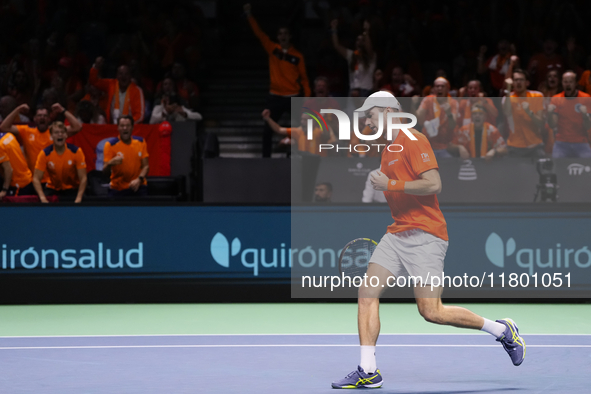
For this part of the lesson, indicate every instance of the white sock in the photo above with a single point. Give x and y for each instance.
(493, 328)
(368, 359)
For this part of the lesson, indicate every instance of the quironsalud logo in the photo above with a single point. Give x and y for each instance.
(220, 249)
(559, 257)
(496, 250)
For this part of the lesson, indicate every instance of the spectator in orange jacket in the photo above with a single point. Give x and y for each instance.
(288, 75)
(123, 96)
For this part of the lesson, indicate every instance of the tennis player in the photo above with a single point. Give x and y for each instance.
(415, 245)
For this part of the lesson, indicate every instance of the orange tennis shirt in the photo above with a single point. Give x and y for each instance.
(410, 211)
(131, 166)
(62, 169)
(10, 150)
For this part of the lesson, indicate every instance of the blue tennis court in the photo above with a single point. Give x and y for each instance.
(410, 363)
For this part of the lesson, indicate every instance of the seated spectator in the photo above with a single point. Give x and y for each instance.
(171, 110)
(362, 61)
(523, 109)
(72, 85)
(87, 112)
(401, 85)
(476, 96)
(123, 96)
(35, 139)
(299, 137)
(20, 87)
(184, 87)
(550, 86)
(323, 192)
(478, 138)
(541, 63)
(568, 116)
(126, 157)
(15, 172)
(7, 105)
(65, 166)
(437, 117)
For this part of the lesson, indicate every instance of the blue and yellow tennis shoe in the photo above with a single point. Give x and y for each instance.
(512, 342)
(359, 379)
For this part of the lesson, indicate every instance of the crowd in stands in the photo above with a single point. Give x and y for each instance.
(484, 81)
(69, 63)
(408, 49)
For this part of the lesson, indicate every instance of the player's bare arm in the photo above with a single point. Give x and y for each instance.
(272, 124)
(37, 176)
(74, 125)
(83, 181)
(7, 178)
(7, 125)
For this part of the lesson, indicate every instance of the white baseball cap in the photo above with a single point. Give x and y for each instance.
(381, 99)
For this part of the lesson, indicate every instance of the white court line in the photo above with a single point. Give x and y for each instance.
(278, 345)
(272, 334)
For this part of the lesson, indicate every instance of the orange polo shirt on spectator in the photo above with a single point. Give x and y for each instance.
(10, 150)
(522, 130)
(34, 142)
(410, 211)
(62, 169)
(570, 120)
(287, 68)
(132, 104)
(490, 138)
(131, 166)
(442, 133)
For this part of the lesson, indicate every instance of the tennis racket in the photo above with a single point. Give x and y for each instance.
(355, 257)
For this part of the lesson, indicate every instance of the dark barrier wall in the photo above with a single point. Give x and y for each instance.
(255, 242)
(246, 181)
(505, 180)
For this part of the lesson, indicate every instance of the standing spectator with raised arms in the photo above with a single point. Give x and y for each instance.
(362, 61)
(123, 96)
(437, 115)
(475, 96)
(64, 164)
(37, 138)
(287, 72)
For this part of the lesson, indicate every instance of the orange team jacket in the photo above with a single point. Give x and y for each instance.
(570, 120)
(134, 99)
(10, 150)
(522, 130)
(34, 142)
(433, 111)
(62, 169)
(132, 154)
(491, 138)
(287, 69)
(409, 211)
